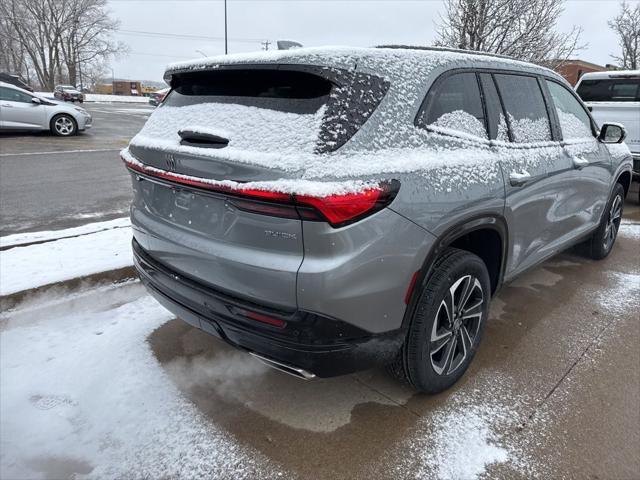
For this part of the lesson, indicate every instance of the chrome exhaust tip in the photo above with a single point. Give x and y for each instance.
(283, 367)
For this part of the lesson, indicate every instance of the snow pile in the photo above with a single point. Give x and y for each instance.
(464, 444)
(81, 391)
(23, 268)
(467, 434)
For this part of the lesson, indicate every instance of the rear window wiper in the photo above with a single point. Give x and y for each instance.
(200, 139)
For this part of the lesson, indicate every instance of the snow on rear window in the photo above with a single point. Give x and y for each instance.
(249, 129)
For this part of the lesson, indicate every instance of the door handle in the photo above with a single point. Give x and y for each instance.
(580, 162)
(6, 105)
(517, 179)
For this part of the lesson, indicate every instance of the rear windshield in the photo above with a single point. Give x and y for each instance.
(330, 104)
(285, 91)
(610, 90)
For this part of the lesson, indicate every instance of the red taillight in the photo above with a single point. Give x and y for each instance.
(338, 210)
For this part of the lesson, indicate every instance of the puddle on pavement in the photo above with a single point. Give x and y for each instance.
(333, 427)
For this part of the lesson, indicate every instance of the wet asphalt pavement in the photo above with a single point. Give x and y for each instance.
(50, 183)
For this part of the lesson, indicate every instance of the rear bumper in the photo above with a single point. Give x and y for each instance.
(321, 345)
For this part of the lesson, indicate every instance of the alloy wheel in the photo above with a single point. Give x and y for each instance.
(456, 325)
(64, 126)
(613, 222)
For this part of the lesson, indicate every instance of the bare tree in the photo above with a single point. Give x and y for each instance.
(627, 27)
(524, 29)
(12, 55)
(55, 37)
(87, 40)
(31, 28)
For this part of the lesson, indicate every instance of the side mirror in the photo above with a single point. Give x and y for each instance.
(612, 133)
(36, 100)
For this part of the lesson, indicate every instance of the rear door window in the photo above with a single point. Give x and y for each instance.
(454, 105)
(574, 120)
(610, 90)
(495, 115)
(526, 111)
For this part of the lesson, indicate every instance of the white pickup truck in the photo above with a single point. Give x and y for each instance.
(615, 97)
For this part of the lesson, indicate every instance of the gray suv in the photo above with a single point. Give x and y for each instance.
(331, 209)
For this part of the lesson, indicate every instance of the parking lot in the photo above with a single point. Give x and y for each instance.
(42, 176)
(554, 391)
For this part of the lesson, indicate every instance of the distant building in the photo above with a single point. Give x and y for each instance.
(104, 88)
(127, 87)
(572, 70)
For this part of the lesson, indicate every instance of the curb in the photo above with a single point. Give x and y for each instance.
(11, 300)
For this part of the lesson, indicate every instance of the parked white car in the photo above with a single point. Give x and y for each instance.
(615, 97)
(23, 110)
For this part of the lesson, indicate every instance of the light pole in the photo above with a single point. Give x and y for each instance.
(226, 46)
(201, 53)
(75, 37)
(113, 79)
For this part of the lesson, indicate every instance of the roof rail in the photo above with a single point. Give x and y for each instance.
(445, 49)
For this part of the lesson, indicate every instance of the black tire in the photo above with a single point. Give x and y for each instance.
(603, 239)
(432, 366)
(63, 125)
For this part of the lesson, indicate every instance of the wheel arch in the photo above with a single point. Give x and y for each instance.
(624, 179)
(454, 237)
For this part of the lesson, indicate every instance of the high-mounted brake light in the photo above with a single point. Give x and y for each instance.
(338, 210)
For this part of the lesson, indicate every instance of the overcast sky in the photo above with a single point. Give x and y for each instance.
(310, 22)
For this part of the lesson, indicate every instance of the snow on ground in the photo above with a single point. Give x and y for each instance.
(466, 435)
(82, 396)
(96, 97)
(23, 268)
(30, 237)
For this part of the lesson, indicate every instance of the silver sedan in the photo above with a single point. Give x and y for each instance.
(23, 110)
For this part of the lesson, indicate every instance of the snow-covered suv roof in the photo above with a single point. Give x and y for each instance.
(389, 62)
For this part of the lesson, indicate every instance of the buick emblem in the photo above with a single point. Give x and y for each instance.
(171, 162)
